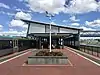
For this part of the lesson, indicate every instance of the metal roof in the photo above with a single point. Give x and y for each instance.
(30, 21)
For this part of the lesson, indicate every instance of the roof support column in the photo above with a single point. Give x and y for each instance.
(78, 39)
(28, 29)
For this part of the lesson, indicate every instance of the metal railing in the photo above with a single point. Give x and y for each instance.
(91, 49)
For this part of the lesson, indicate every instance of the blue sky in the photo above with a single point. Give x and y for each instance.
(86, 16)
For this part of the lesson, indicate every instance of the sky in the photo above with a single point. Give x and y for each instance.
(83, 14)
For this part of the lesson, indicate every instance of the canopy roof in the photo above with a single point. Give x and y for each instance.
(55, 25)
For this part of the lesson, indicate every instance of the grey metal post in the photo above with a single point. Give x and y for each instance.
(78, 39)
(49, 15)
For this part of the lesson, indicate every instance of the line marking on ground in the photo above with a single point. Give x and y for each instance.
(14, 57)
(49, 65)
(70, 62)
(23, 64)
(84, 57)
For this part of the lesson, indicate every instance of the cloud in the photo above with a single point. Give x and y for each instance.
(18, 23)
(89, 38)
(17, 9)
(56, 6)
(10, 14)
(13, 33)
(4, 6)
(93, 23)
(20, 0)
(65, 21)
(52, 6)
(82, 6)
(86, 28)
(7, 13)
(1, 27)
(75, 24)
(22, 10)
(99, 6)
(53, 23)
(22, 15)
(73, 19)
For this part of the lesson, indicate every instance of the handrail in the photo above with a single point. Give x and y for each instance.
(90, 49)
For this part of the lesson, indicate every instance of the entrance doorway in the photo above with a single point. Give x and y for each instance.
(43, 42)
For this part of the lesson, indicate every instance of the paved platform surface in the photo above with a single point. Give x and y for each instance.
(80, 66)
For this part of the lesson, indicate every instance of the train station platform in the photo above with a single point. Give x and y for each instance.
(79, 65)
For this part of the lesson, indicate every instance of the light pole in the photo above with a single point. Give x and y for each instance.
(49, 15)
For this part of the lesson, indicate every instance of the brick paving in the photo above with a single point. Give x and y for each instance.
(80, 66)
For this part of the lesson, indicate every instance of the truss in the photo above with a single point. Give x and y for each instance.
(90, 34)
